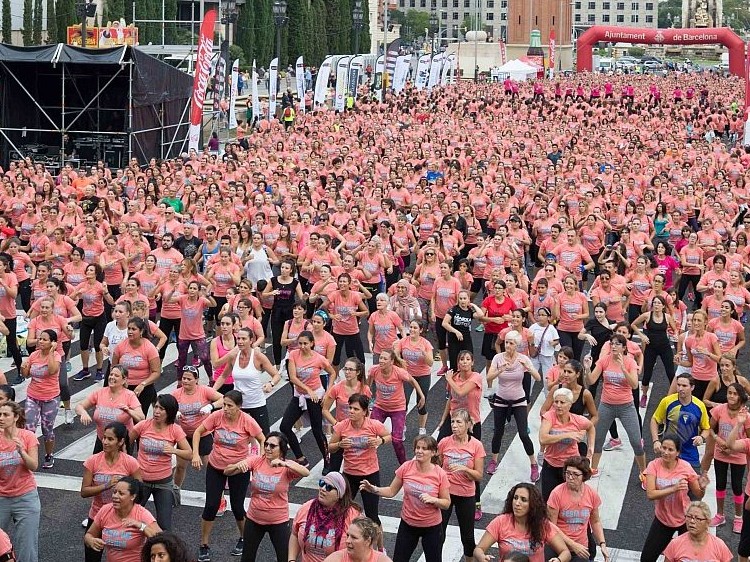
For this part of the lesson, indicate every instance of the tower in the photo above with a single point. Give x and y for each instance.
(543, 15)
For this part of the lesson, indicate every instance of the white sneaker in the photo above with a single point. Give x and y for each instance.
(422, 431)
(70, 417)
(85, 523)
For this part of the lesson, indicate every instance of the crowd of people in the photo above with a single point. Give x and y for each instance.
(585, 229)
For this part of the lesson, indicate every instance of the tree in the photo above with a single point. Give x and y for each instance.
(51, 23)
(37, 23)
(28, 24)
(6, 23)
(668, 11)
(246, 30)
(413, 23)
(66, 16)
(114, 10)
(364, 34)
(170, 14)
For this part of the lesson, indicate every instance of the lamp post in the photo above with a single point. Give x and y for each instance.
(228, 17)
(433, 27)
(279, 19)
(84, 9)
(358, 18)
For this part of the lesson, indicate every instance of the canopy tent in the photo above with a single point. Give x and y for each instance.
(518, 70)
(62, 103)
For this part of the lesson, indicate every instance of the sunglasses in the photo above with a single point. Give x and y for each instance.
(271, 445)
(325, 485)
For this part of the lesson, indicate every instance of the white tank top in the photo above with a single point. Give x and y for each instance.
(249, 382)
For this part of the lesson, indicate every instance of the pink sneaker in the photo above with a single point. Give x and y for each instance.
(717, 520)
(644, 401)
(443, 370)
(491, 466)
(478, 513)
(737, 525)
(222, 506)
(534, 472)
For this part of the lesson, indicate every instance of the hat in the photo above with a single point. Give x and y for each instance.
(336, 480)
(550, 256)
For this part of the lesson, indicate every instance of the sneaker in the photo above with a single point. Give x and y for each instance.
(491, 466)
(540, 458)
(69, 417)
(478, 512)
(594, 473)
(644, 401)
(99, 376)
(443, 370)
(49, 462)
(422, 431)
(479, 328)
(613, 444)
(534, 472)
(237, 550)
(220, 513)
(302, 461)
(204, 553)
(18, 380)
(85, 523)
(82, 375)
(718, 520)
(737, 525)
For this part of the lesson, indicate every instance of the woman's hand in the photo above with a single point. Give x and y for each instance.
(197, 462)
(94, 543)
(85, 418)
(428, 499)
(365, 486)
(345, 443)
(139, 389)
(579, 550)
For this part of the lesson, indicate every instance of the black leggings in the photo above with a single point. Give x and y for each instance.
(476, 433)
(12, 339)
(279, 316)
(215, 482)
(500, 415)
(659, 536)
(455, 347)
(743, 548)
(465, 514)
(91, 555)
(353, 347)
(254, 533)
(92, 325)
(292, 413)
(147, 397)
(370, 502)
(552, 476)
(166, 325)
(571, 340)
(662, 351)
(408, 537)
(737, 471)
(24, 291)
(686, 280)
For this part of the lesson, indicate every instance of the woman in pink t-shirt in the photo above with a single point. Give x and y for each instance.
(19, 449)
(426, 493)
(8, 292)
(698, 543)
(415, 352)
(362, 539)
(268, 509)
(703, 351)
(385, 327)
(43, 393)
(141, 359)
(191, 332)
(523, 527)
(462, 457)
(120, 528)
(668, 481)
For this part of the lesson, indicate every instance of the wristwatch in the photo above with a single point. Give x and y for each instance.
(143, 527)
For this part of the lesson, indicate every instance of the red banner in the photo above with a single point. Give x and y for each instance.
(202, 72)
(503, 53)
(552, 51)
(747, 79)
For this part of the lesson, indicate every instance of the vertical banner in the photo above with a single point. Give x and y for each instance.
(200, 82)
(233, 95)
(446, 69)
(342, 73)
(401, 73)
(746, 139)
(435, 67)
(299, 75)
(254, 94)
(220, 75)
(423, 69)
(356, 69)
(273, 87)
(503, 53)
(377, 83)
(321, 82)
(552, 46)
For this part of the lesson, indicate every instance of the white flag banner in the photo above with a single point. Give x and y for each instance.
(356, 69)
(446, 69)
(321, 82)
(273, 85)
(435, 67)
(233, 95)
(423, 70)
(342, 77)
(378, 78)
(453, 68)
(299, 75)
(401, 73)
(254, 93)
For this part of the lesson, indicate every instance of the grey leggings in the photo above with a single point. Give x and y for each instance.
(628, 416)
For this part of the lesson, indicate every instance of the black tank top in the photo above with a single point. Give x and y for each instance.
(720, 396)
(578, 406)
(657, 331)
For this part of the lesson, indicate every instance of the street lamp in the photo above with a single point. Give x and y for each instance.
(358, 18)
(228, 17)
(279, 19)
(433, 27)
(84, 9)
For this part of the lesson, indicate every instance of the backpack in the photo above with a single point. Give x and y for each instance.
(288, 112)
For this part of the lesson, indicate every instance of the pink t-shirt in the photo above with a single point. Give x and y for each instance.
(317, 547)
(190, 405)
(389, 391)
(727, 335)
(615, 389)
(44, 385)
(360, 459)
(155, 463)
(231, 438)
(573, 514)
(341, 397)
(102, 473)
(464, 454)
(121, 543)
(348, 325)
(682, 549)
(671, 509)
(136, 359)
(445, 293)
(557, 453)
(385, 326)
(413, 354)
(704, 368)
(5, 545)
(415, 483)
(308, 369)
(15, 479)
(570, 308)
(109, 407)
(191, 324)
(269, 492)
(509, 537)
(470, 401)
(725, 423)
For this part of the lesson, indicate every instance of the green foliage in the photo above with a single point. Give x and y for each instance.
(28, 17)
(37, 23)
(236, 52)
(6, 23)
(52, 35)
(114, 10)
(364, 34)
(148, 32)
(66, 16)
(636, 51)
(737, 15)
(170, 14)
(669, 8)
(413, 23)
(245, 36)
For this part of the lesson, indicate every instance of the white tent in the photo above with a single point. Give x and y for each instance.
(518, 70)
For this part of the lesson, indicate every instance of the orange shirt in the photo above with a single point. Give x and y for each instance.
(463, 454)
(389, 391)
(269, 492)
(360, 459)
(15, 479)
(415, 483)
(102, 473)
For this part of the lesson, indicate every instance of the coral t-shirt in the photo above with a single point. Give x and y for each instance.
(389, 391)
(102, 473)
(509, 537)
(415, 483)
(44, 385)
(15, 479)
(231, 438)
(574, 513)
(570, 308)
(155, 463)
(470, 401)
(269, 492)
(463, 454)
(615, 388)
(92, 297)
(317, 547)
(385, 326)
(704, 368)
(8, 303)
(413, 354)
(340, 396)
(682, 549)
(189, 407)
(136, 359)
(345, 306)
(308, 369)
(725, 423)
(108, 408)
(557, 453)
(191, 325)
(670, 510)
(122, 543)
(360, 459)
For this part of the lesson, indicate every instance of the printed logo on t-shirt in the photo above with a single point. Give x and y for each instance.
(116, 538)
(265, 483)
(226, 437)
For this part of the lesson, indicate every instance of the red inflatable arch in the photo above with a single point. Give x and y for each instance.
(637, 35)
